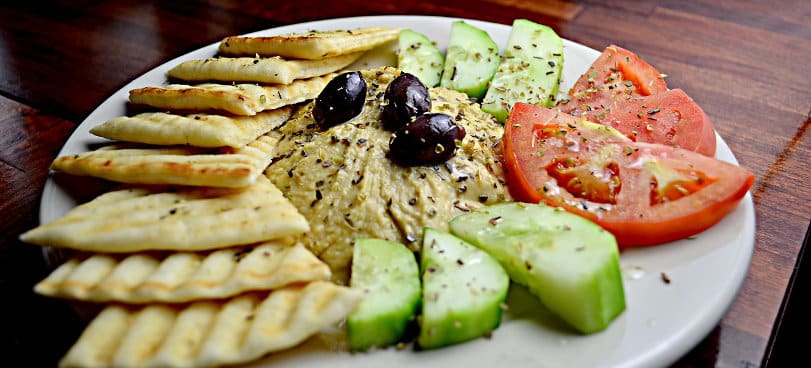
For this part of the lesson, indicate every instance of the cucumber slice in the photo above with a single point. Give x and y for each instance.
(529, 72)
(471, 60)
(388, 273)
(463, 291)
(419, 56)
(569, 262)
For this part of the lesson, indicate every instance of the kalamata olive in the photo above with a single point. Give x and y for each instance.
(429, 140)
(406, 98)
(340, 100)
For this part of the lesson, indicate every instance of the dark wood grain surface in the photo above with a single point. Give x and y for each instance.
(745, 62)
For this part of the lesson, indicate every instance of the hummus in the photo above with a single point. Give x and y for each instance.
(342, 181)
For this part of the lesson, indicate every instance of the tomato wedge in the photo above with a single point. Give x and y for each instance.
(643, 193)
(671, 118)
(616, 74)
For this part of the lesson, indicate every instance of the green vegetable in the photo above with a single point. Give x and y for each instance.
(529, 72)
(471, 60)
(389, 275)
(419, 56)
(569, 262)
(463, 291)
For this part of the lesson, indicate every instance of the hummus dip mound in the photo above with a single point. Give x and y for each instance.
(343, 182)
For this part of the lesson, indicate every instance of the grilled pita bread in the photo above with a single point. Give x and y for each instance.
(185, 276)
(258, 69)
(309, 45)
(240, 99)
(205, 334)
(198, 130)
(180, 219)
(181, 165)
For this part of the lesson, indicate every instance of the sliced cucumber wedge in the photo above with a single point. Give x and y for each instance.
(419, 56)
(388, 273)
(529, 72)
(569, 262)
(470, 61)
(463, 291)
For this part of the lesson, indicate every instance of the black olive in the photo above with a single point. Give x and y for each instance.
(429, 140)
(340, 100)
(406, 98)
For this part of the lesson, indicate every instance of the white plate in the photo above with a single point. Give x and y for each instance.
(662, 321)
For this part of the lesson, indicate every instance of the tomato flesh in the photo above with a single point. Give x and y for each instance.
(671, 118)
(617, 74)
(643, 193)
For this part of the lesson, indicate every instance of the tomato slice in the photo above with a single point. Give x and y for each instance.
(671, 118)
(643, 193)
(617, 74)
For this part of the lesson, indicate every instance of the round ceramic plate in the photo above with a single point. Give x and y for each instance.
(663, 321)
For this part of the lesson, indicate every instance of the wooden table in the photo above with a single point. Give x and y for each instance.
(745, 62)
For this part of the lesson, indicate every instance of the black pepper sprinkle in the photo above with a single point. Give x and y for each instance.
(483, 198)
(494, 221)
(551, 63)
(460, 262)
(412, 201)
(290, 173)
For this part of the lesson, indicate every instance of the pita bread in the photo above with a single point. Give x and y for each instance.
(198, 130)
(309, 45)
(182, 277)
(258, 69)
(240, 99)
(180, 219)
(206, 334)
(181, 165)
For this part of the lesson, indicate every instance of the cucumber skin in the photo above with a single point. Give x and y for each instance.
(471, 60)
(527, 56)
(419, 56)
(449, 316)
(535, 244)
(377, 322)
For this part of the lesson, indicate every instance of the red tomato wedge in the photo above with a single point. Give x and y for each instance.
(671, 118)
(643, 193)
(617, 74)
